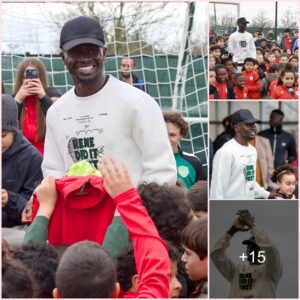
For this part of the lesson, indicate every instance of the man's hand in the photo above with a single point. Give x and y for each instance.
(244, 222)
(4, 197)
(47, 196)
(116, 180)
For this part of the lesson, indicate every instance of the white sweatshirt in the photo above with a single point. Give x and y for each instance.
(241, 45)
(249, 281)
(234, 173)
(119, 121)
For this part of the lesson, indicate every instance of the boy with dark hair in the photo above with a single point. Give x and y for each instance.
(189, 167)
(197, 199)
(215, 51)
(194, 240)
(42, 261)
(240, 88)
(265, 83)
(223, 85)
(129, 280)
(252, 78)
(21, 166)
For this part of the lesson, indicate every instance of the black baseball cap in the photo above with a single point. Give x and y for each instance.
(243, 115)
(250, 241)
(81, 30)
(242, 20)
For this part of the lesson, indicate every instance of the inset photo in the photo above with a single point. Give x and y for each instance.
(253, 150)
(253, 50)
(254, 249)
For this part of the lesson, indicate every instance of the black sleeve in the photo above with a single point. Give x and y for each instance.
(231, 94)
(46, 102)
(20, 106)
(291, 149)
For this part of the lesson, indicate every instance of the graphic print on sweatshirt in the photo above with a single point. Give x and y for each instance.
(249, 169)
(243, 44)
(83, 146)
(246, 281)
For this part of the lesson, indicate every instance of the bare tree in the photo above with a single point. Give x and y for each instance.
(289, 19)
(261, 21)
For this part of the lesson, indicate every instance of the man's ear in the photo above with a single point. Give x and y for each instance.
(55, 293)
(116, 291)
(104, 52)
(62, 55)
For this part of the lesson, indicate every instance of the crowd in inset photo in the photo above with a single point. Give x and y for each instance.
(251, 66)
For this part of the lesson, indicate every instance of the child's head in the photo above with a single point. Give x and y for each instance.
(296, 51)
(263, 42)
(294, 61)
(220, 41)
(260, 58)
(197, 198)
(212, 77)
(227, 62)
(274, 69)
(170, 200)
(271, 58)
(211, 61)
(194, 240)
(221, 73)
(259, 50)
(266, 54)
(177, 128)
(284, 59)
(86, 270)
(277, 52)
(274, 45)
(128, 277)
(249, 63)
(288, 52)
(9, 121)
(287, 32)
(240, 80)
(285, 179)
(215, 50)
(287, 77)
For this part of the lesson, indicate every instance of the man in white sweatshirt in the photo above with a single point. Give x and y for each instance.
(234, 165)
(241, 44)
(102, 116)
(259, 277)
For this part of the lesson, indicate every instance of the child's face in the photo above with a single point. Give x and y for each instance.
(288, 79)
(221, 43)
(294, 62)
(271, 58)
(194, 266)
(263, 43)
(221, 75)
(260, 59)
(287, 185)
(277, 53)
(7, 139)
(283, 59)
(216, 53)
(266, 55)
(229, 66)
(249, 66)
(174, 135)
(175, 285)
(240, 82)
(288, 51)
(296, 52)
(212, 78)
(212, 61)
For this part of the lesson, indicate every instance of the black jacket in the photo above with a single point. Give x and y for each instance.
(283, 143)
(21, 173)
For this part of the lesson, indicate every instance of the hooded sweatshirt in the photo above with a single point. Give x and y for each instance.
(83, 210)
(21, 173)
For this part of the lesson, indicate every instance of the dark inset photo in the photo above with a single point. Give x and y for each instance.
(253, 249)
(253, 150)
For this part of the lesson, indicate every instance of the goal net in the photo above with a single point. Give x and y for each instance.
(167, 42)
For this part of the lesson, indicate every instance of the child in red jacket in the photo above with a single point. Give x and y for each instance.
(223, 85)
(240, 89)
(252, 78)
(286, 87)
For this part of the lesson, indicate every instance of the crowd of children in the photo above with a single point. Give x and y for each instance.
(272, 74)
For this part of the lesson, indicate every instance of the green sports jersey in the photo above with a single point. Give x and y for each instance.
(189, 168)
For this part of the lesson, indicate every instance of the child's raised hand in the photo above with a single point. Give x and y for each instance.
(47, 196)
(116, 180)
